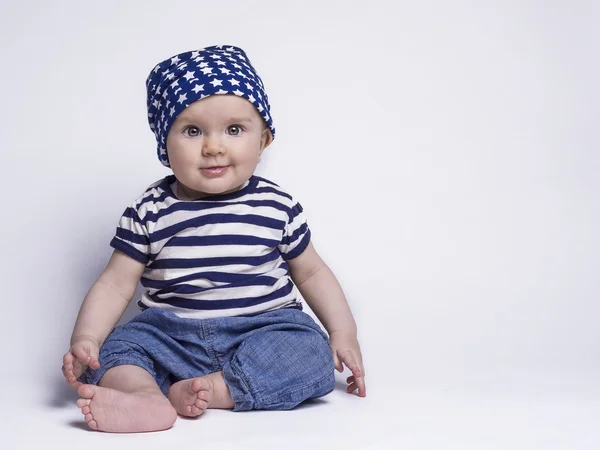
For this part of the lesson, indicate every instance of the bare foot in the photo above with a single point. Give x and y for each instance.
(120, 412)
(191, 397)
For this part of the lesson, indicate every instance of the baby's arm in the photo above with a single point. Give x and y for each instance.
(323, 293)
(100, 311)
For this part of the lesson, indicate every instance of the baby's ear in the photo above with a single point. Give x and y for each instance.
(265, 139)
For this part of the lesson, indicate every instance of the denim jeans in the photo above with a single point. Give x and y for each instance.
(273, 360)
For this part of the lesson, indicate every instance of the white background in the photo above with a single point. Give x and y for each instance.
(447, 156)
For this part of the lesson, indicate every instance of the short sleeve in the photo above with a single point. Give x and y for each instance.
(296, 235)
(132, 236)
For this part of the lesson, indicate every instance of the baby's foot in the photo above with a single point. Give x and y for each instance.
(191, 397)
(120, 412)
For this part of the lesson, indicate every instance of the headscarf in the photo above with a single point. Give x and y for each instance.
(179, 81)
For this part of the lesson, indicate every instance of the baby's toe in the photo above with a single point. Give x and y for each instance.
(86, 410)
(86, 391)
(197, 384)
(89, 418)
(202, 404)
(83, 402)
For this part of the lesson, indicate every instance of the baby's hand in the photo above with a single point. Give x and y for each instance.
(346, 350)
(83, 353)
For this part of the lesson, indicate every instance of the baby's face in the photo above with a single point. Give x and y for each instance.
(215, 144)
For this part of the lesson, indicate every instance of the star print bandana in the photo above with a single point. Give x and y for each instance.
(177, 82)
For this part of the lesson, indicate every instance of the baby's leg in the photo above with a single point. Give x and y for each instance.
(282, 364)
(126, 400)
(193, 396)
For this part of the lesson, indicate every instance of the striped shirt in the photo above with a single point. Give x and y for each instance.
(221, 255)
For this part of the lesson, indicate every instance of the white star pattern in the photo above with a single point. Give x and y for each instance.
(209, 69)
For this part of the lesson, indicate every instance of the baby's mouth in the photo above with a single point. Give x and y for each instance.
(215, 170)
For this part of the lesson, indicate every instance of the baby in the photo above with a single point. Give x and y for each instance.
(224, 256)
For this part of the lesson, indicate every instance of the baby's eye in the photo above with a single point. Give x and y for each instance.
(234, 130)
(191, 131)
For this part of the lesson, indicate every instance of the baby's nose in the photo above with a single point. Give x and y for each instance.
(212, 146)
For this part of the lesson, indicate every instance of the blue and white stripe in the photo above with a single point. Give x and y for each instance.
(223, 255)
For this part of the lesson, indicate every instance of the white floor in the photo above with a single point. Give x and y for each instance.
(469, 413)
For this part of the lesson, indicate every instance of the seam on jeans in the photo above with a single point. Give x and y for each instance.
(141, 355)
(141, 351)
(241, 375)
(208, 332)
(126, 360)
